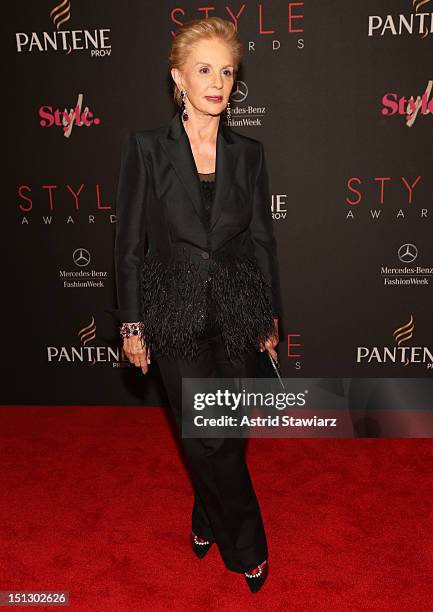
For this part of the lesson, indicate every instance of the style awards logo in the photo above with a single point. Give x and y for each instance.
(383, 196)
(269, 23)
(409, 108)
(52, 203)
(78, 116)
(96, 41)
(401, 353)
(419, 22)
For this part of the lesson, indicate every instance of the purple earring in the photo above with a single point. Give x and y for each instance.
(185, 115)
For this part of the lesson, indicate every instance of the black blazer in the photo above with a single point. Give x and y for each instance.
(165, 255)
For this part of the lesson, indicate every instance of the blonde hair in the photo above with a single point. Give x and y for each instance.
(201, 29)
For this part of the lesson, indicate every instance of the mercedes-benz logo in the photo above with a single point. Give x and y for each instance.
(407, 253)
(81, 257)
(240, 92)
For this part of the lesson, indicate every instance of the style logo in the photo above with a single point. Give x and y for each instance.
(399, 353)
(96, 42)
(393, 104)
(418, 22)
(66, 119)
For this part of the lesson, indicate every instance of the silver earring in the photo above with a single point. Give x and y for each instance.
(228, 111)
(185, 115)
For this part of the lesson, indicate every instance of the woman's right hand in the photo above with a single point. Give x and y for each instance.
(137, 352)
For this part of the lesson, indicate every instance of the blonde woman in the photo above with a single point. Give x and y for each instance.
(196, 274)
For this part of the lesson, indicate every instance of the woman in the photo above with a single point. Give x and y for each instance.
(196, 274)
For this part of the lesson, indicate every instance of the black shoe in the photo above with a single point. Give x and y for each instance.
(256, 581)
(199, 545)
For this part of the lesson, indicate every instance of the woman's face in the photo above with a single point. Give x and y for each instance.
(207, 76)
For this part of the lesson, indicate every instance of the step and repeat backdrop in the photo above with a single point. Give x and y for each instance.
(341, 95)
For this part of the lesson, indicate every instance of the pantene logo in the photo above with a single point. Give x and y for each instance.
(399, 353)
(96, 42)
(86, 351)
(410, 108)
(67, 119)
(419, 22)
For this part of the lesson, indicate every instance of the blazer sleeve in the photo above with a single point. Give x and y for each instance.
(262, 234)
(130, 234)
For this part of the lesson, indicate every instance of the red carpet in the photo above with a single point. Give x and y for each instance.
(95, 501)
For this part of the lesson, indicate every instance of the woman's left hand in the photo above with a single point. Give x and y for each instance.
(270, 344)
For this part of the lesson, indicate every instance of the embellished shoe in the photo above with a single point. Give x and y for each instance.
(199, 545)
(256, 577)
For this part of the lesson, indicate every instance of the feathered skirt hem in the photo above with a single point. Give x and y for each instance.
(175, 305)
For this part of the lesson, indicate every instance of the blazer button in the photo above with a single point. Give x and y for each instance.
(205, 255)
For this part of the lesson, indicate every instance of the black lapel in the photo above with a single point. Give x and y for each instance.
(176, 144)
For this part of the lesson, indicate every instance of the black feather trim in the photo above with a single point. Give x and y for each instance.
(175, 304)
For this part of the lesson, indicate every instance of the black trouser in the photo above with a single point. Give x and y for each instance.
(225, 508)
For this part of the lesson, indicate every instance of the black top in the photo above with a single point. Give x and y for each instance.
(207, 182)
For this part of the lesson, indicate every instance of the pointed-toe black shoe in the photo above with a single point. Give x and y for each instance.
(256, 578)
(199, 545)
